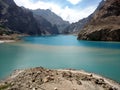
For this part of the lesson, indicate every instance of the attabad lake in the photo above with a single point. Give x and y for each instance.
(61, 52)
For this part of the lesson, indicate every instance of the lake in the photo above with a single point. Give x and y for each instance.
(61, 52)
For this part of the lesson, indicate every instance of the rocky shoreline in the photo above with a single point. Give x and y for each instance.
(45, 79)
(6, 41)
(11, 38)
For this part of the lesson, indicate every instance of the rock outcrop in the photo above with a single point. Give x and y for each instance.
(105, 23)
(45, 79)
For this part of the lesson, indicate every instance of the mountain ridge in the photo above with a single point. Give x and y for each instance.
(104, 25)
(76, 27)
(22, 20)
(52, 18)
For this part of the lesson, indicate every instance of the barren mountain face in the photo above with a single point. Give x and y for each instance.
(105, 24)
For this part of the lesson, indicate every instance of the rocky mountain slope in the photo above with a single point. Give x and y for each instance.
(76, 27)
(45, 79)
(22, 20)
(54, 19)
(16, 18)
(105, 24)
(45, 26)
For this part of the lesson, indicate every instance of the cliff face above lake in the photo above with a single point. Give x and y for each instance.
(74, 28)
(45, 79)
(22, 20)
(54, 19)
(45, 26)
(16, 18)
(105, 24)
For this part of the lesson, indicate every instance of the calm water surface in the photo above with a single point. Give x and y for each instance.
(61, 51)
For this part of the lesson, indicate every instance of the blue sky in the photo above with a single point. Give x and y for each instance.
(69, 10)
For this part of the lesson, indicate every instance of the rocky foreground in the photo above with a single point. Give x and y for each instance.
(46, 79)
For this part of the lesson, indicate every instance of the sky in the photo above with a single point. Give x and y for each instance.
(69, 10)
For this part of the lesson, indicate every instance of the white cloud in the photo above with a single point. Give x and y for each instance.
(73, 15)
(68, 14)
(74, 2)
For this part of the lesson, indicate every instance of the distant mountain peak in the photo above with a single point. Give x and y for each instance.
(52, 18)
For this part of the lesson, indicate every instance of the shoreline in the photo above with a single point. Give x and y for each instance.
(106, 79)
(6, 41)
(57, 79)
(11, 38)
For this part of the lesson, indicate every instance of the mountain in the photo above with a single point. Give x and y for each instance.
(46, 27)
(22, 20)
(105, 23)
(16, 18)
(52, 18)
(77, 26)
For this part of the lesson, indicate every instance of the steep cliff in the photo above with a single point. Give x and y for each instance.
(105, 23)
(54, 19)
(45, 26)
(76, 27)
(22, 20)
(17, 19)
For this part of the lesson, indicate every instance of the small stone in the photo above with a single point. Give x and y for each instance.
(47, 79)
(55, 88)
(99, 81)
(112, 88)
(33, 80)
(33, 73)
(74, 88)
(86, 78)
(6, 82)
(91, 75)
(12, 83)
(34, 89)
(102, 79)
(79, 82)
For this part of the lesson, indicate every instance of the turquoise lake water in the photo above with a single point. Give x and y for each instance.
(61, 52)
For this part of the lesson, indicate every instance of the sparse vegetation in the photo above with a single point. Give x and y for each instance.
(3, 87)
(5, 31)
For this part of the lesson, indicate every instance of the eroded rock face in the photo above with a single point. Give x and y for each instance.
(103, 34)
(105, 24)
(74, 28)
(17, 19)
(22, 20)
(52, 18)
